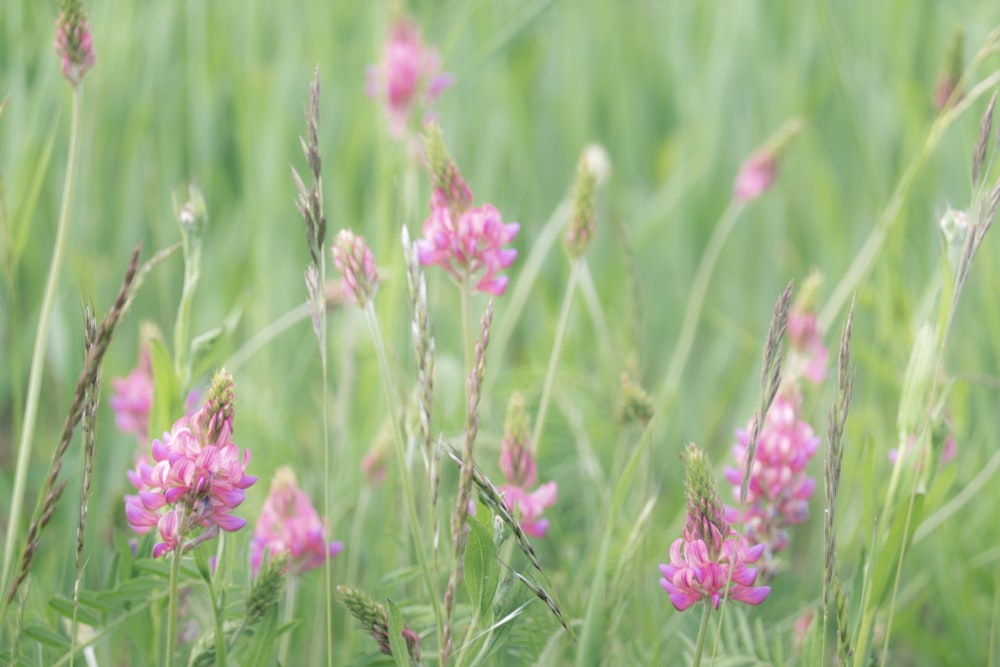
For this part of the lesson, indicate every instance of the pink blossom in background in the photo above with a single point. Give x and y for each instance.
(528, 507)
(756, 176)
(132, 399)
(779, 488)
(354, 259)
(517, 462)
(468, 245)
(408, 77)
(809, 354)
(74, 45)
(694, 574)
(196, 479)
(289, 526)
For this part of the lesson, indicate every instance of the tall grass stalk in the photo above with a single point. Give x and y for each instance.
(695, 301)
(399, 447)
(41, 341)
(561, 326)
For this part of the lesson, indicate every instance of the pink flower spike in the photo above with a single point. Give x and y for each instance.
(756, 175)
(408, 77)
(289, 526)
(809, 354)
(354, 259)
(74, 43)
(470, 247)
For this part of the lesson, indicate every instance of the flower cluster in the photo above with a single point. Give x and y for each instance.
(779, 489)
(408, 77)
(73, 41)
(132, 398)
(468, 242)
(289, 526)
(711, 557)
(197, 477)
(353, 258)
(517, 462)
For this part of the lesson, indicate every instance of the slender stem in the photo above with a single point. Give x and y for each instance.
(404, 473)
(550, 374)
(467, 337)
(38, 353)
(221, 656)
(175, 569)
(692, 312)
(192, 272)
(702, 631)
(287, 615)
(327, 473)
(266, 335)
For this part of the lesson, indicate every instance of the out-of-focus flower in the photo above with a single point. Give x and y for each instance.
(951, 73)
(73, 41)
(467, 242)
(353, 258)
(757, 173)
(779, 490)
(809, 354)
(710, 557)
(635, 404)
(197, 478)
(290, 527)
(517, 463)
(132, 398)
(408, 77)
(469, 247)
(583, 216)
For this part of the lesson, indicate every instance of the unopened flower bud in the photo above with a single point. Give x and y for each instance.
(73, 41)
(758, 172)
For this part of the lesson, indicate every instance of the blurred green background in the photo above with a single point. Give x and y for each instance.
(679, 93)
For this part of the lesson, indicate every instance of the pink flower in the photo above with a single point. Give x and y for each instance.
(779, 489)
(289, 525)
(694, 574)
(196, 479)
(528, 507)
(809, 354)
(353, 258)
(408, 76)
(74, 44)
(470, 247)
(756, 175)
(132, 399)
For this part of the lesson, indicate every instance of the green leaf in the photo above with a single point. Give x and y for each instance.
(482, 574)
(166, 392)
(201, 560)
(396, 641)
(258, 651)
(64, 607)
(43, 635)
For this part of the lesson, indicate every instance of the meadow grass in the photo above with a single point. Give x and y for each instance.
(679, 94)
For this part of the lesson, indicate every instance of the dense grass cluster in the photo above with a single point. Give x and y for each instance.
(577, 333)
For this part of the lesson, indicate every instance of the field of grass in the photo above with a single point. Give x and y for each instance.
(679, 94)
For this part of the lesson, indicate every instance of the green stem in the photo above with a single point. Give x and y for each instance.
(702, 631)
(287, 615)
(38, 356)
(692, 312)
(192, 272)
(863, 261)
(221, 656)
(175, 569)
(404, 472)
(327, 473)
(266, 335)
(467, 337)
(550, 374)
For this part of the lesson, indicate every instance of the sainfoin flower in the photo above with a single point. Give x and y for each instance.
(132, 398)
(756, 175)
(710, 557)
(196, 479)
(353, 258)
(73, 41)
(808, 353)
(779, 490)
(468, 245)
(517, 463)
(289, 526)
(408, 77)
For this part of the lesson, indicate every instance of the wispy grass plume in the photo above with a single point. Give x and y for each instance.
(831, 479)
(459, 533)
